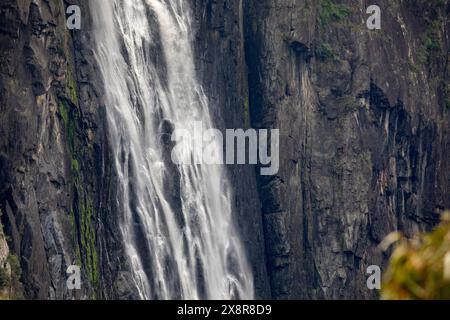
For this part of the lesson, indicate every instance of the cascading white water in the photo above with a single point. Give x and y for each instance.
(188, 250)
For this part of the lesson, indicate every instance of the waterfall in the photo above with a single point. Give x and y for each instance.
(176, 220)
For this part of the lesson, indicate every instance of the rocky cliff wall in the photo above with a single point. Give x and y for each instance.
(364, 117)
(55, 176)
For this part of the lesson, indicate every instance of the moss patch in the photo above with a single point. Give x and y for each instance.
(419, 268)
(332, 13)
(5, 278)
(69, 117)
(82, 217)
(75, 167)
(430, 42)
(71, 86)
(246, 112)
(88, 242)
(323, 52)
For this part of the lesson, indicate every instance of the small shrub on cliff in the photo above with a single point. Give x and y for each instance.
(323, 52)
(16, 271)
(420, 268)
(5, 279)
(431, 43)
(331, 12)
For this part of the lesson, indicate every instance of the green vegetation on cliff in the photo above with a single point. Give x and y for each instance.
(331, 12)
(431, 44)
(420, 268)
(5, 278)
(324, 51)
(82, 215)
(10, 273)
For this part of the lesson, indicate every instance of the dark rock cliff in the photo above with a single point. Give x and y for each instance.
(39, 101)
(221, 61)
(364, 118)
(55, 175)
(364, 145)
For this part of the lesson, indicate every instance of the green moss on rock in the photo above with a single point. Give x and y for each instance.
(331, 12)
(430, 42)
(88, 241)
(323, 52)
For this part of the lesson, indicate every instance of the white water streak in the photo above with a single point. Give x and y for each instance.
(139, 95)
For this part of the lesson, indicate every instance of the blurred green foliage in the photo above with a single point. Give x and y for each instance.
(420, 268)
(14, 264)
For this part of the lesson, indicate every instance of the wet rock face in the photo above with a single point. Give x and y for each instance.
(53, 153)
(221, 67)
(32, 168)
(364, 138)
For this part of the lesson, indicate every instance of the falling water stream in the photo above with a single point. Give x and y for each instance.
(176, 220)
